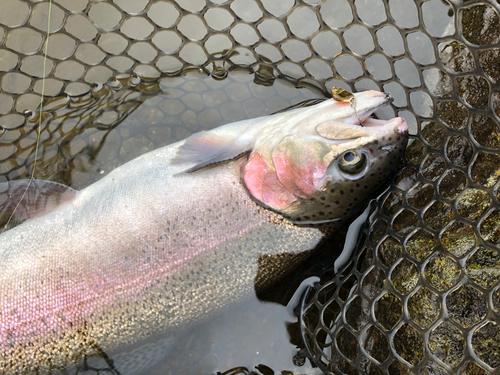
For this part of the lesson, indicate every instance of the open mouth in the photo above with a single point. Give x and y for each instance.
(367, 119)
(372, 122)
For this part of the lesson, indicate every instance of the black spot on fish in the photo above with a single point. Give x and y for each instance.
(341, 192)
(332, 190)
(321, 213)
(357, 185)
(337, 202)
(323, 198)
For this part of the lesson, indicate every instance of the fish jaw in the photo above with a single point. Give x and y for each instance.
(300, 176)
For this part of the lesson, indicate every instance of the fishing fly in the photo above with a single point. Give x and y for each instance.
(344, 96)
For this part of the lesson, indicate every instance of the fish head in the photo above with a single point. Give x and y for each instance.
(325, 166)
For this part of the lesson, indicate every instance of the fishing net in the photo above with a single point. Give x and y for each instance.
(422, 294)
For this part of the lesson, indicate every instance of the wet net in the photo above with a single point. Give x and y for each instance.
(422, 295)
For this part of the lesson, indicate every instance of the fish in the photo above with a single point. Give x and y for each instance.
(172, 237)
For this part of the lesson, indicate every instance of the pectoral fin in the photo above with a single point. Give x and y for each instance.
(26, 200)
(206, 148)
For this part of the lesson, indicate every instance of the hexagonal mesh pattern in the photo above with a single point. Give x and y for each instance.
(422, 294)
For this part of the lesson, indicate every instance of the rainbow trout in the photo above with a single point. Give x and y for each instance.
(171, 237)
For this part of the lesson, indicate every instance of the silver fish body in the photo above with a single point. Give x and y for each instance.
(151, 248)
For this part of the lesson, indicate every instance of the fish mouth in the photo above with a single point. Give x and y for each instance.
(362, 105)
(365, 118)
(371, 122)
(360, 116)
(397, 123)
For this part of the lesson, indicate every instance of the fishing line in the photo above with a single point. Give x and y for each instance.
(353, 106)
(39, 131)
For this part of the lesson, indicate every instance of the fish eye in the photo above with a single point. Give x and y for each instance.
(352, 161)
(349, 156)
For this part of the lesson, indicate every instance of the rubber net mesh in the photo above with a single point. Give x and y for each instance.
(422, 294)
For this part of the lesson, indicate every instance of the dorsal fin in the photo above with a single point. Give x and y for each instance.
(27, 200)
(207, 148)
